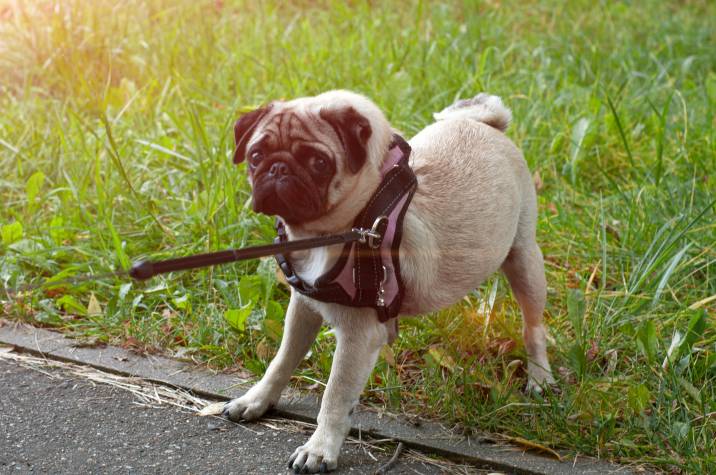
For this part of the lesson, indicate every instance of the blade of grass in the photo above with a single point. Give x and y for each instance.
(620, 128)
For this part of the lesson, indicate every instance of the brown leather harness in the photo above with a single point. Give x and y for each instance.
(367, 273)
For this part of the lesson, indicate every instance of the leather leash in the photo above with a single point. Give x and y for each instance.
(146, 269)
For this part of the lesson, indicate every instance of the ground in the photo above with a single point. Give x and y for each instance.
(55, 422)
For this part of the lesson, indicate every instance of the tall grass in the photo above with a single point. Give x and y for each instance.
(115, 143)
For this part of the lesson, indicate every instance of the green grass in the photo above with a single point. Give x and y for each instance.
(115, 143)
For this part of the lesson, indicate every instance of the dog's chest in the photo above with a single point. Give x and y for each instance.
(312, 264)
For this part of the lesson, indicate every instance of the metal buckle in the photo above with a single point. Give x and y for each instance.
(377, 231)
(373, 236)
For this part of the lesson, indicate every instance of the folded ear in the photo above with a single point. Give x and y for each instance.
(243, 129)
(354, 130)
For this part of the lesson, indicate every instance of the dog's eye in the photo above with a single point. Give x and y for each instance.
(255, 158)
(319, 165)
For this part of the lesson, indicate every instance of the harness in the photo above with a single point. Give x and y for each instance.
(367, 273)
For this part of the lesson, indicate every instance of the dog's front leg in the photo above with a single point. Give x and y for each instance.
(300, 329)
(359, 337)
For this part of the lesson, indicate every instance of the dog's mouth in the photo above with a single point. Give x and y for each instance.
(287, 197)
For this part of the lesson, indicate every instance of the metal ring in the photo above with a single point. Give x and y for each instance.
(385, 276)
(375, 233)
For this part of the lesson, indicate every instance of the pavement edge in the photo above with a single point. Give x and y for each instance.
(428, 437)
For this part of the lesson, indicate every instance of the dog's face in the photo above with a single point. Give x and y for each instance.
(304, 156)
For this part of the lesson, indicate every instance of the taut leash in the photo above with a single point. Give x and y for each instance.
(70, 280)
(146, 269)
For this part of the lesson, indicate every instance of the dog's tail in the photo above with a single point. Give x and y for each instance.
(482, 108)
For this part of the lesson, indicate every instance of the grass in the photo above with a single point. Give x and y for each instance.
(115, 143)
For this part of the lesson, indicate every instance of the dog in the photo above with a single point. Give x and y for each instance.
(316, 161)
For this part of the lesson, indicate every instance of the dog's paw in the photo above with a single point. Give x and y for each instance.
(248, 407)
(539, 379)
(316, 456)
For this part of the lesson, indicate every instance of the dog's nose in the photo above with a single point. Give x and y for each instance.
(279, 169)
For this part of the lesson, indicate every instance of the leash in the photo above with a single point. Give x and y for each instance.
(146, 269)
(375, 274)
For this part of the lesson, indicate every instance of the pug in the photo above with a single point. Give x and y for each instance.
(315, 162)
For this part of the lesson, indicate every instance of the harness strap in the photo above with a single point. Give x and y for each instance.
(367, 274)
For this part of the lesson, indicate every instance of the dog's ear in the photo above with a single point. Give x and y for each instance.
(243, 129)
(354, 131)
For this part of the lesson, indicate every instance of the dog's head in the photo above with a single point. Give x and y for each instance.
(314, 159)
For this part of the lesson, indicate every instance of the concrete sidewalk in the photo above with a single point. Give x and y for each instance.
(56, 422)
(428, 437)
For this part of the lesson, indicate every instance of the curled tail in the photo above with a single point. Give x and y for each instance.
(482, 108)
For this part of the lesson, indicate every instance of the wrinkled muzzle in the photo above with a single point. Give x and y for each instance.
(287, 197)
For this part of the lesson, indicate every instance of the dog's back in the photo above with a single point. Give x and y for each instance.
(474, 182)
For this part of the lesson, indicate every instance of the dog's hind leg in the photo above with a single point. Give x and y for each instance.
(524, 268)
(359, 337)
(300, 329)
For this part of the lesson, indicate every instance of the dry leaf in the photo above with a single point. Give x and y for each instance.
(537, 179)
(513, 368)
(168, 314)
(93, 307)
(514, 364)
(263, 350)
(388, 355)
(552, 208)
(213, 409)
(505, 346)
(281, 279)
(567, 374)
(534, 446)
(702, 302)
(442, 359)
(131, 342)
(611, 229)
(611, 357)
(593, 351)
(56, 292)
(593, 282)
(135, 346)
